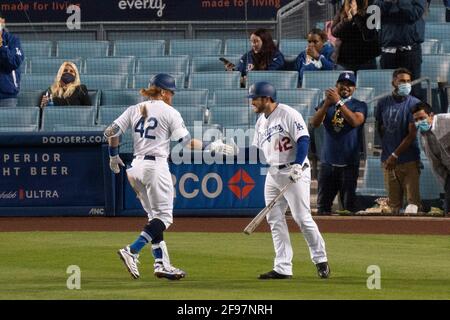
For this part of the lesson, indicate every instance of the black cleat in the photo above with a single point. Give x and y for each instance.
(323, 270)
(274, 275)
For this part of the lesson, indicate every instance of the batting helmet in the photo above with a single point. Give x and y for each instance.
(163, 81)
(262, 89)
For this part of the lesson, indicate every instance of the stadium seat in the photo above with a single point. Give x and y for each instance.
(105, 82)
(36, 81)
(147, 48)
(437, 67)
(67, 116)
(233, 116)
(435, 14)
(142, 80)
(373, 181)
(121, 97)
(65, 128)
(108, 113)
(211, 63)
(230, 97)
(379, 80)
(310, 97)
(438, 31)
(19, 129)
(280, 79)
(293, 47)
(83, 49)
(430, 187)
(195, 47)
(153, 65)
(17, 117)
(37, 48)
(430, 46)
(365, 94)
(23, 68)
(198, 97)
(302, 108)
(51, 66)
(320, 79)
(191, 113)
(214, 80)
(237, 46)
(95, 96)
(445, 46)
(111, 65)
(29, 98)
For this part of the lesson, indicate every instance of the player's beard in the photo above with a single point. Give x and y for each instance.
(259, 109)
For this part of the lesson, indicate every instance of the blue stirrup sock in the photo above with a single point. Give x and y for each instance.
(137, 245)
(153, 232)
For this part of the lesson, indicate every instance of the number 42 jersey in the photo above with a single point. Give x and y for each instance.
(277, 134)
(151, 136)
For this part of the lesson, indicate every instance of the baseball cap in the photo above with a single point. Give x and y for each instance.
(347, 76)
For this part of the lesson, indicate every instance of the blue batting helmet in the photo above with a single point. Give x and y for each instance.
(262, 89)
(163, 81)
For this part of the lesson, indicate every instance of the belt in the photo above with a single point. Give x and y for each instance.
(147, 157)
(283, 166)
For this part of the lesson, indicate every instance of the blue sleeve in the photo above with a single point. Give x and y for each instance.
(242, 66)
(277, 62)
(412, 9)
(302, 149)
(362, 108)
(12, 57)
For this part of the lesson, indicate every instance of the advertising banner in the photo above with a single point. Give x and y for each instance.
(140, 10)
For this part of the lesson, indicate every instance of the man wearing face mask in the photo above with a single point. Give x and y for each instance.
(435, 137)
(343, 118)
(400, 152)
(67, 89)
(11, 57)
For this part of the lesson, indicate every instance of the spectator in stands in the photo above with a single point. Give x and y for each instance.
(343, 118)
(358, 45)
(400, 152)
(447, 12)
(11, 57)
(67, 89)
(264, 55)
(435, 136)
(317, 55)
(401, 34)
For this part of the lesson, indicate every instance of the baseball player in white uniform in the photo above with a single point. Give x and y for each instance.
(153, 123)
(282, 135)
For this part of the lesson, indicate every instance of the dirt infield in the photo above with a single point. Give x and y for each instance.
(333, 224)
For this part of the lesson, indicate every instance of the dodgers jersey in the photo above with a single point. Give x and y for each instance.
(152, 135)
(277, 134)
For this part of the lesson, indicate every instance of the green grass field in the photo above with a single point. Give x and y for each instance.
(222, 266)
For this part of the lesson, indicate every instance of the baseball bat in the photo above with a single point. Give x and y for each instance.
(262, 214)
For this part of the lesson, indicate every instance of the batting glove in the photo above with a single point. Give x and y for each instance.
(219, 147)
(115, 162)
(296, 172)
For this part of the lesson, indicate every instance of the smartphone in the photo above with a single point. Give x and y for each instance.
(226, 62)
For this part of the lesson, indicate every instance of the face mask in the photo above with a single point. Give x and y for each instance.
(67, 78)
(404, 89)
(423, 125)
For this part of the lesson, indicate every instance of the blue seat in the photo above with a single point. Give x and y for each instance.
(17, 117)
(111, 65)
(437, 67)
(214, 80)
(105, 82)
(280, 79)
(430, 46)
(191, 113)
(142, 80)
(108, 113)
(230, 97)
(293, 47)
(67, 116)
(147, 48)
(83, 49)
(66, 128)
(310, 97)
(430, 187)
(95, 96)
(445, 46)
(211, 63)
(26, 128)
(153, 65)
(36, 81)
(320, 79)
(126, 97)
(302, 108)
(37, 48)
(438, 31)
(373, 180)
(365, 94)
(29, 98)
(50, 65)
(195, 47)
(197, 97)
(233, 116)
(379, 80)
(435, 14)
(237, 46)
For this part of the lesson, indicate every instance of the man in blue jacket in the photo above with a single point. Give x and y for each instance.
(402, 32)
(11, 57)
